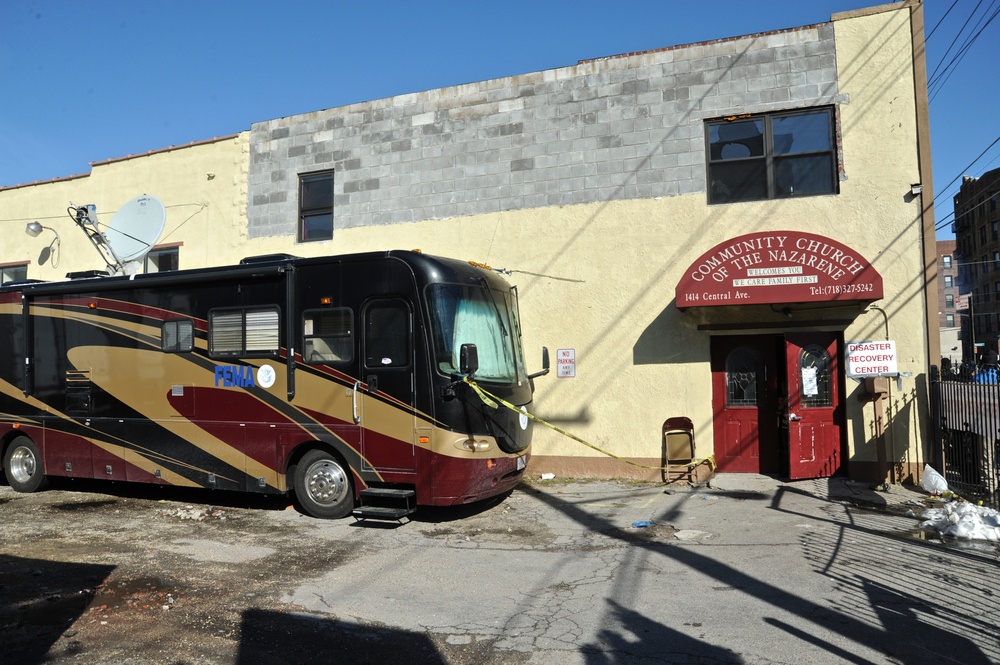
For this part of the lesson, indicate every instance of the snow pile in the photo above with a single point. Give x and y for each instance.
(964, 520)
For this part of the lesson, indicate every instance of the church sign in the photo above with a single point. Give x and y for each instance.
(778, 267)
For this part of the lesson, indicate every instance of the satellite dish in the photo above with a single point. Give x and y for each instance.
(135, 228)
(133, 231)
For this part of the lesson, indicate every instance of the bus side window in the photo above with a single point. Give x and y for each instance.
(328, 335)
(387, 334)
(177, 336)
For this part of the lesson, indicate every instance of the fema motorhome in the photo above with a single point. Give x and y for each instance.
(338, 380)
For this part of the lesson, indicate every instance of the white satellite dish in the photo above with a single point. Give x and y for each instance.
(133, 231)
(135, 228)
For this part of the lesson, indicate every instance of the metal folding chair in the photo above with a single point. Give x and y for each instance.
(678, 449)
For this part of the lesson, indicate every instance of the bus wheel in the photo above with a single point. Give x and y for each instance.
(323, 485)
(23, 466)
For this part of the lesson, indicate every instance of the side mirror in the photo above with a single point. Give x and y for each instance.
(545, 364)
(468, 359)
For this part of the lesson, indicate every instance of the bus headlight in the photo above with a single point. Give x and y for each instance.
(472, 445)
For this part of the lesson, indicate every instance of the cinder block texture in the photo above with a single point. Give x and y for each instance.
(622, 127)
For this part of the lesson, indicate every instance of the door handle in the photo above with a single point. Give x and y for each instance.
(792, 417)
(354, 396)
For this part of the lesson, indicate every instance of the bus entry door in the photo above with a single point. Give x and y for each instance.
(387, 370)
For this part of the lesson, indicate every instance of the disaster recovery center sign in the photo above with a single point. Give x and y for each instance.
(871, 359)
(777, 267)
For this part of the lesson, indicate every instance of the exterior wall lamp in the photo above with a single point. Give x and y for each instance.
(33, 229)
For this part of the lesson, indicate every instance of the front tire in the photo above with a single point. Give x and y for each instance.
(22, 464)
(323, 485)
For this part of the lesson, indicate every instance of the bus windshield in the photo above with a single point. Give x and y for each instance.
(468, 314)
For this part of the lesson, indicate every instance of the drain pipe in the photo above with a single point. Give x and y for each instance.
(883, 484)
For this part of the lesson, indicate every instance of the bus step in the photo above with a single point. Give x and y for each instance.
(386, 503)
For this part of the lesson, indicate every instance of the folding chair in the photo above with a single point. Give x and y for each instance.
(678, 449)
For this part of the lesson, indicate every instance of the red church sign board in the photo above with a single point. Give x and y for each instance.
(777, 267)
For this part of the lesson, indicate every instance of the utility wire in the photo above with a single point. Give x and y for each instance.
(959, 34)
(940, 21)
(942, 79)
(945, 189)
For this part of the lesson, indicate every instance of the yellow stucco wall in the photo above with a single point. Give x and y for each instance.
(203, 187)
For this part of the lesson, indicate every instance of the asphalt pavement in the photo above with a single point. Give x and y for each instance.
(745, 570)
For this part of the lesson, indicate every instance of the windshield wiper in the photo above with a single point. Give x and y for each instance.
(496, 308)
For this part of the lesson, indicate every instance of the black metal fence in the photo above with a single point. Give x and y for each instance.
(967, 417)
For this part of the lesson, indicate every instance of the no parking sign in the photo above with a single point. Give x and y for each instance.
(565, 363)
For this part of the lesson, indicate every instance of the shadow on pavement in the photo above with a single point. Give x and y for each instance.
(275, 638)
(903, 635)
(39, 601)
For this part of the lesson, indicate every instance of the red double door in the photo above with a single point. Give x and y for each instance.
(777, 404)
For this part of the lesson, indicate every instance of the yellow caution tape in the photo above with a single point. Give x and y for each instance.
(494, 402)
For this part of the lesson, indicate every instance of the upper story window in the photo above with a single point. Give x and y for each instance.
(948, 282)
(946, 260)
(13, 273)
(161, 259)
(316, 206)
(772, 156)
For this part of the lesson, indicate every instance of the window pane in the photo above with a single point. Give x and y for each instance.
(743, 369)
(177, 336)
(738, 181)
(328, 335)
(814, 360)
(387, 335)
(737, 140)
(803, 176)
(13, 274)
(225, 332)
(262, 331)
(162, 259)
(807, 132)
(317, 227)
(317, 191)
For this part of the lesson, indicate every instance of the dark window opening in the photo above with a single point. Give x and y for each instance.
(777, 155)
(387, 334)
(160, 260)
(316, 206)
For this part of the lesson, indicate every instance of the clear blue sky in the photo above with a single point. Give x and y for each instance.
(89, 81)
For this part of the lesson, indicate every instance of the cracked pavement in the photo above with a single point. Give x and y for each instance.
(557, 572)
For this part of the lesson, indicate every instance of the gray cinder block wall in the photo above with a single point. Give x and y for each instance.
(622, 127)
